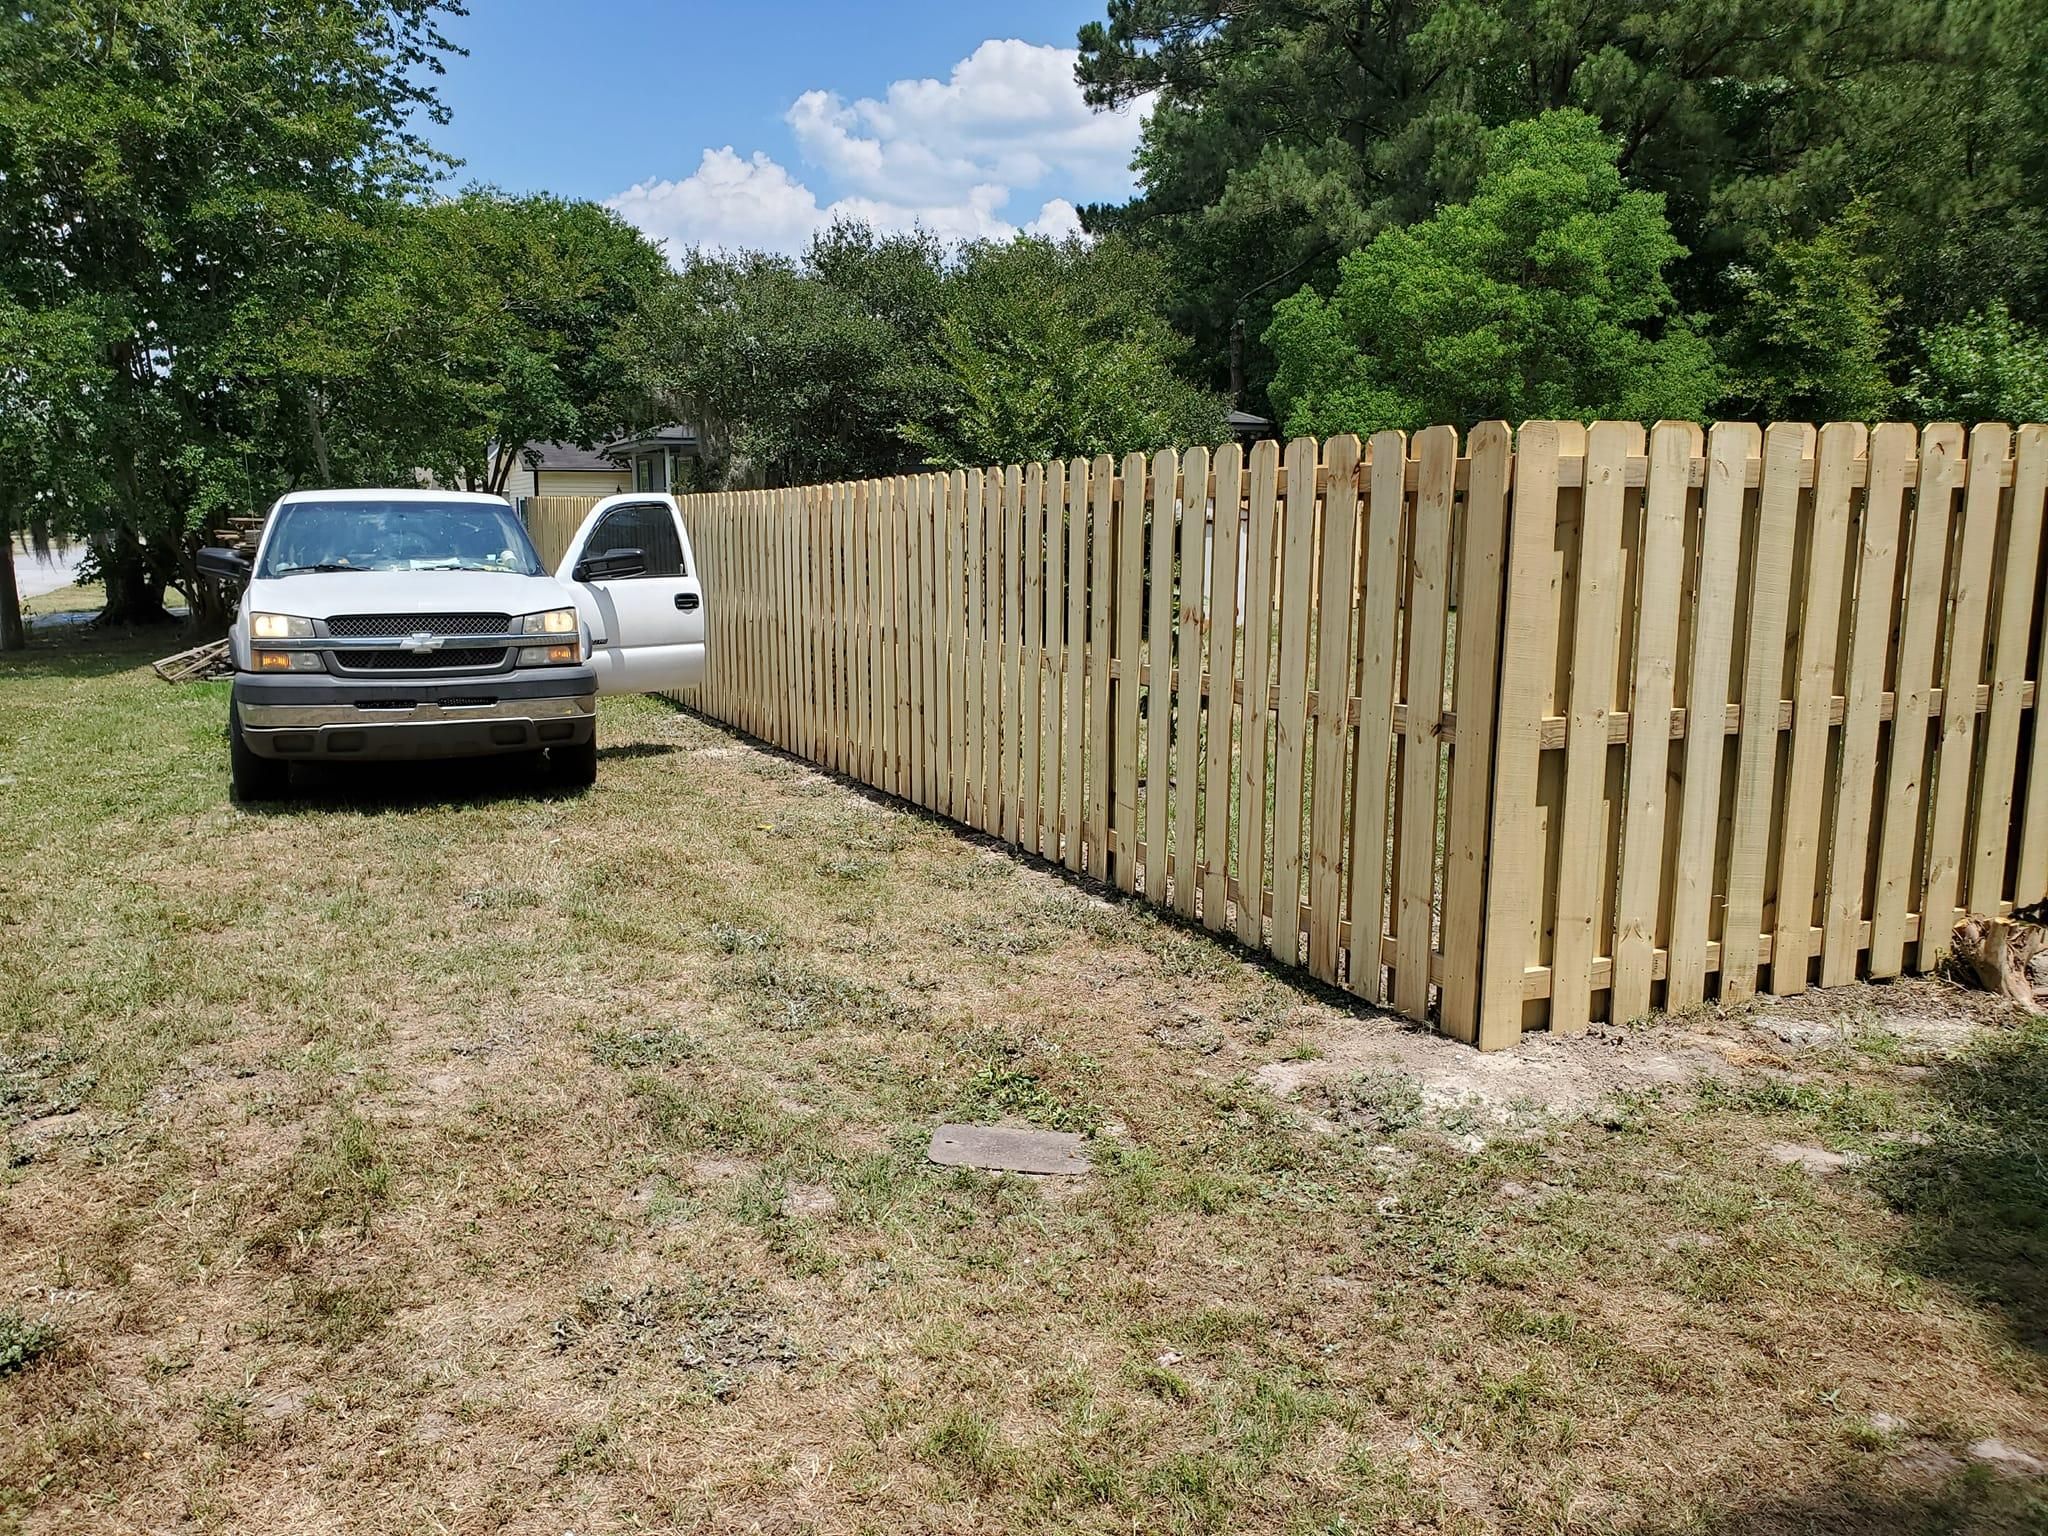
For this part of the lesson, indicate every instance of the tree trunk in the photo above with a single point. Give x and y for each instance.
(135, 593)
(319, 439)
(13, 636)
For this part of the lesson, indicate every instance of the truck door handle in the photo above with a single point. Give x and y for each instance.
(687, 601)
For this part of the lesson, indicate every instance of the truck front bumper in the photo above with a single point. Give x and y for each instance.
(307, 716)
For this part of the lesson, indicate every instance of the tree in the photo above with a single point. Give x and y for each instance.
(799, 371)
(1544, 295)
(49, 479)
(1284, 133)
(502, 322)
(1807, 339)
(1053, 350)
(1988, 367)
(186, 171)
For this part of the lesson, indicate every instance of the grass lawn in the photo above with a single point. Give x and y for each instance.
(439, 1153)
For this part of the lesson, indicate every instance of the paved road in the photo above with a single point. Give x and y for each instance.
(35, 576)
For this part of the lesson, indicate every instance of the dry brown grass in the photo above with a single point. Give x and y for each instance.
(441, 1155)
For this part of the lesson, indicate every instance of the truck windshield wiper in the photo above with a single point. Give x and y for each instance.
(323, 567)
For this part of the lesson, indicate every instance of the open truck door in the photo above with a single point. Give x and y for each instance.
(636, 585)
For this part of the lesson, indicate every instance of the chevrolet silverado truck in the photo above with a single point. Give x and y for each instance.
(407, 624)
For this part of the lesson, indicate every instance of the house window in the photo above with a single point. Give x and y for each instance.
(649, 528)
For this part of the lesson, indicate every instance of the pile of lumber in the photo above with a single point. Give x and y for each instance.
(242, 533)
(197, 664)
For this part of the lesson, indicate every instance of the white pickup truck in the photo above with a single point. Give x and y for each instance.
(409, 624)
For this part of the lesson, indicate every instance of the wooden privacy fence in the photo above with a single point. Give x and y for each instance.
(1517, 733)
(552, 522)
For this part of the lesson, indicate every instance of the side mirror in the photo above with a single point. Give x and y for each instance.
(224, 564)
(613, 566)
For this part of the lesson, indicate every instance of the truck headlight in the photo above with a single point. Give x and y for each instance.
(279, 626)
(550, 655)
(565, 647)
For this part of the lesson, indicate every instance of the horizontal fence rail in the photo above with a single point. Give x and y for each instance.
(1517, 732)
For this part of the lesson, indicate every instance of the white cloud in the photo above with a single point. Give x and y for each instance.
(941, 155)
(727, 202)
(1056, 220)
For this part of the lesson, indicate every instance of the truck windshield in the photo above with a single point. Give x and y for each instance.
(372, 535)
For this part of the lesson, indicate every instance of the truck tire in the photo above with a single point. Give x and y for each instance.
(574, 767)
(252, 779)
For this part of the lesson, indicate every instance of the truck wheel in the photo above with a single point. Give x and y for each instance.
(574, 767)
(252, 778)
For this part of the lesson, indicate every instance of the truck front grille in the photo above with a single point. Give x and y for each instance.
(399, 625)
(455, 658)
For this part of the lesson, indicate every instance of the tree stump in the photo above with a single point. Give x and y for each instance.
(1997, 954)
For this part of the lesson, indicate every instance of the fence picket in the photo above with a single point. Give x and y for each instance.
(1127, 634)
(1421, 751)
(1187, 689)
(2019, 575)
(1290, 720)
(1101, 600)
(1941, 462)
(1031, 658)
(1592, 669)
(2030, 484)
(1653, 689)
(1375, 662)
(1159, 670)
(1970, 599)
(1255, 718)
(1222, 618)
(1332, 718)
(1785, 445)
(1817, 614)
(1482, 571)
(1074, 724)
(1890, 450)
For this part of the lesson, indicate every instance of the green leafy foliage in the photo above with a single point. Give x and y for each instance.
(799, 371)
(1053, 350)
(1988, 367)
(1808, 336)
(22, 1340)
(220, 251)
(504, 319)
(1286, 133)
(883, 354)
(1543, 295)
(187, 172)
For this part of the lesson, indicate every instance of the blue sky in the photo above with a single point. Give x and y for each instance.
(730, 125)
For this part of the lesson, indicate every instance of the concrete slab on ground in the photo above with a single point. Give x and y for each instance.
(1008, 1149)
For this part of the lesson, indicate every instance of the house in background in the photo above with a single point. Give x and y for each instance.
(659, 459)
(563, 469)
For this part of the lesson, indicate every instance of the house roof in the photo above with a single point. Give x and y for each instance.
(567, 456)
(672, 436)
(1245, 421)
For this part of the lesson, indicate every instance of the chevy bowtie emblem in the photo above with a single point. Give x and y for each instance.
(423, 644)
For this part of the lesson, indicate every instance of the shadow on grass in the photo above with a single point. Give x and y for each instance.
(631, 749)
(369, 789)
(87, 651)
(1976, 1191)
(1968, 1502)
